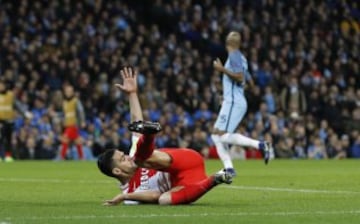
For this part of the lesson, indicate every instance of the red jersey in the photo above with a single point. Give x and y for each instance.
(147, 180)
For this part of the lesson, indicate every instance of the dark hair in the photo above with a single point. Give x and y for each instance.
(105, 162)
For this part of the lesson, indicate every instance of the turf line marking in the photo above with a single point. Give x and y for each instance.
(249, 188)
(40, 180)
(254, 188)
(154, 215)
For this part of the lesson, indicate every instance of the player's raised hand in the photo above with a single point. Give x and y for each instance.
(218, 65)
(129, 76)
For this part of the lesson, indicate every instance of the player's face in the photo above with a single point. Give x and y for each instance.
(69, 91)
(232, 40)
(228, 39)
(2, 87)
(124, 164)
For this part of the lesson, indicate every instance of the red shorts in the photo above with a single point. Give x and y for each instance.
(187, 166)
(71, 132)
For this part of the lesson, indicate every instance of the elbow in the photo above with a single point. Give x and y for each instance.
(154, 196)
(239, 77)
(165, 199)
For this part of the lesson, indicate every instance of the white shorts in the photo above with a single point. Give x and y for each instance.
(230, 116)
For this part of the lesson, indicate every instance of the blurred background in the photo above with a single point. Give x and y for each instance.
(303, 57)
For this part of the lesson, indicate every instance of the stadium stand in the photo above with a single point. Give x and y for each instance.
(303, 56)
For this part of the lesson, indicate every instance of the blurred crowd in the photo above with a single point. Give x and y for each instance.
(303, 57)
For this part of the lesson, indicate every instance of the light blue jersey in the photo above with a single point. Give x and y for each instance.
(234, 105)
(232, 90)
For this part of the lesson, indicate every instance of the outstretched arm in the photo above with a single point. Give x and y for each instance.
(144, 196)
(129, 86)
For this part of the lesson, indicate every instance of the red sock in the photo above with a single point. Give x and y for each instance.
(145, 147)
(191, 193)
(64, 147)
(80, 151)
(7, 154)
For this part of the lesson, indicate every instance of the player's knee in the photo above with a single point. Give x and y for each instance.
(165, 199)
(78, 141)
(65, 140)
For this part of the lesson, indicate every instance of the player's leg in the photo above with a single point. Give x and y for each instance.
(188, 177)
(64, 146)
(239, 139)
(146, 143)
(192, 192)
(65, 140)
(221, 124)
(144, 154)
(186, 166)
(236, 112)
(79, 147)
(7, 135)
(75, 137)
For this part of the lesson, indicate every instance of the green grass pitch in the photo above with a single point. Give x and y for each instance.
(285, 191)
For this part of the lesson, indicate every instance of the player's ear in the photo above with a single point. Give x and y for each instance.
(116, 171)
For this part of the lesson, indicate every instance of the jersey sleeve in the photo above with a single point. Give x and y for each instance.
(125, 189)
(236, 63)
(247, 75)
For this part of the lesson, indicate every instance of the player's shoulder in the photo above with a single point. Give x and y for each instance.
(238, 55)
(140, 172)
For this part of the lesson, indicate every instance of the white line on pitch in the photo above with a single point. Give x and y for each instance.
(44, 180)
(255, 188)
(154, 215)
(250, 188)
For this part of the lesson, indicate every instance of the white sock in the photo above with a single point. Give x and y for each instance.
(221, 150)
(238, 139)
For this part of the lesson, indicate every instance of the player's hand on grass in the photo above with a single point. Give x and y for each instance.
(218, 65)
(129, 76)
(115, 201)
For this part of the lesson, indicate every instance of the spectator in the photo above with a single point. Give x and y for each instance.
(345, 144)
(8, 103)
(334, 148)
(270, 100)
(309, 71)
(355, 148)
(284, 148)
(316, 149)
(199, 142)
(293, 98)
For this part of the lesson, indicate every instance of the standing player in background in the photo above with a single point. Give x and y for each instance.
(234, 105)
(74, 117)
(8, 104)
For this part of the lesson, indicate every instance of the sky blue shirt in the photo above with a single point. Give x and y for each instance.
(234, 91)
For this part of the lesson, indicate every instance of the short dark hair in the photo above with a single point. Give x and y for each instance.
(105, 162)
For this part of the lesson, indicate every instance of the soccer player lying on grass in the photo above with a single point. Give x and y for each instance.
(187, 180)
